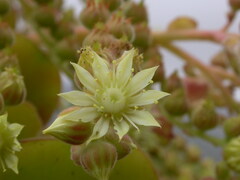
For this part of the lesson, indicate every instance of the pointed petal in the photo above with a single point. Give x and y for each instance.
(132, 123)
(78, 98)
(124, 68)
(121, 127)
(11, 161)
(85, 78)
(143, 118)
(101, 69)
(140, 80)
(145, 98)
(15, 129)
(85, 114)
(100, 129)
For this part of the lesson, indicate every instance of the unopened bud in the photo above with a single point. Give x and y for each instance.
(65, 52)
(94, 13)
(112, 4)
(6, 36)
(97, 158)
(231, 154)
(143, 38)
(68, 130)
(232, 126)
(45, 17)
(204, 116)
(13, 90)
(182, 23)
(173, 82)
(179, 143)
(2, 104)
(80, 33)
(193, 153)
(222, 171)
(120, 27)
(137, 12)
(4, 7)
(176, 104)
(123, 147)
(220, 60)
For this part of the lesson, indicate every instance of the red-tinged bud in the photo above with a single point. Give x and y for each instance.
(94, 13)
(97, 158)
(232, 126)
(231, 154)
(182, 23)
(204, 116)
(137, 12)
(166, 130)
(120, 27)
(4, 7)
(176, 104)
(45, 17)
(112, 4)
(69, 131)
(196, 89)
(2, 105)
(220, 60)
(123, 147)
(235, 4)
(222, 171)
(12, 86)
(143, 38)
(80, 33)
(6, 36)
(153, 58)
(173, 82)
(43, 1)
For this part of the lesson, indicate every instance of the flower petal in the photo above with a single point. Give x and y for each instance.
(143, 118)
(101, 69)
(78, 98)
(145, 98)
(85, 114)
(15, 129)
(140, 80)
(121, 127)
(124, 68)
(85, 78)
(100, 129)
(11, 161)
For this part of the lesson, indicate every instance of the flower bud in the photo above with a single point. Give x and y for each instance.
(62, 30)
(123, 147)
(137, 12)
(232, 126)
(94, 13)
(80, 33)
(69, 131)
(235, 4)
(231, 154)
(166, 131)
(6, 36)
(112, 4)
(222, 171)
(120, 27)
(220, 60)
(182, 23)
(45, 17)
(143, 37)
(176, 104)
(97, 158)
(193, 153)
(4, 7)
(173, 82)
(2, 105)
(179, 143)
(65, 52)
(204, 116)
(14, 91)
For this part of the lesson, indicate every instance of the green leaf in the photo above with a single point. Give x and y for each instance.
(50, 159)
(40, 76)
(25, 114)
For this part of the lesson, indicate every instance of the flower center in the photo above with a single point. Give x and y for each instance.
(113, 100)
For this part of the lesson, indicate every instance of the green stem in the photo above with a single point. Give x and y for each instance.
(207, 71)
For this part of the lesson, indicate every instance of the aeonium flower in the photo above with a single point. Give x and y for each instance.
(9, 144)
(112, 95)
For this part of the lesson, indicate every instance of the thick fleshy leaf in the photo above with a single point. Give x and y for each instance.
(100, 129)
(78, 98)
(140, 80)
(124, 69)
(143, 118)
(101, 69)
(85, 114)
(50, 159)
(145, 98)
(121, 127)
(85, 78)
